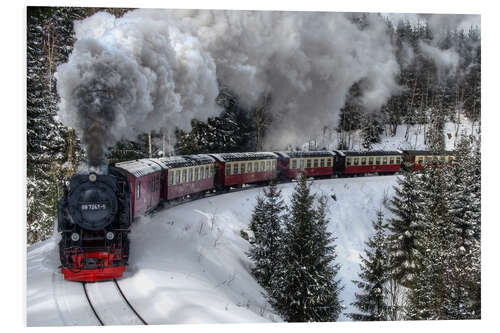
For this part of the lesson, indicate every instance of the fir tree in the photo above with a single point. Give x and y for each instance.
(266, 226)
(304, 288)
(405, 227)
(374, 277)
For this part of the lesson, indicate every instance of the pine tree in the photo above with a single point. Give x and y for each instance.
(266, 226)
(304, 288)
(374, 277)
(405, 227)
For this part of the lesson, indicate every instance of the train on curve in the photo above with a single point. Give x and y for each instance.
(96, 211)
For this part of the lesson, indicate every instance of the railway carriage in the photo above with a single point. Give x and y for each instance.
(361, 162)
(144, 177)
(310, 163)
(421, 158)
(236, 169)
(186, 175)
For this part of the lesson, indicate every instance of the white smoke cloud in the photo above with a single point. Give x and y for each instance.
(445, 60)
(159, 68)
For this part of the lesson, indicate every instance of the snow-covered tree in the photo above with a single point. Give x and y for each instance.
(304, 287)
(374, 277)
(266, 226)
(405, 227)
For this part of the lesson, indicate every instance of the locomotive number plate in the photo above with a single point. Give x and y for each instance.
(93, 206)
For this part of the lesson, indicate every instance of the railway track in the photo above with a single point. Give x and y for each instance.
(110, 305)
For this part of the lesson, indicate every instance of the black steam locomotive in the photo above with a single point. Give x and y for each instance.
(94, 220)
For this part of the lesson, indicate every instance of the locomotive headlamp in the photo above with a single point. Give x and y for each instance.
(92, 177)
(75, 237)
(110, 235)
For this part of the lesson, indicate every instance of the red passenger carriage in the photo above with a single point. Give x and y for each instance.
(310, 163)
(361, 162)
(236, 169)
(144, 177)
(420, 158)
(186, 175)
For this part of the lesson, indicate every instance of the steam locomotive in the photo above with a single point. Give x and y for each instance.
(96, 211)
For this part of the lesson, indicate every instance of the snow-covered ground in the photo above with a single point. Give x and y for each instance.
(188, 263)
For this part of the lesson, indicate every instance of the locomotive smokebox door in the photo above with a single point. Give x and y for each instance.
(93, 204)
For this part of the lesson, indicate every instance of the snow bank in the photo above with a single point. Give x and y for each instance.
(188, 263)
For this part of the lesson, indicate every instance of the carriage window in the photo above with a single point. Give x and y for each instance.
(138, 191)
(235, 168)
(178, 176)
(316, 163)
(391, 160)
(384, 160)
(377, 160)
(370, 160)
(212, 173)
(301, 163)
(322, 162)
(171, 177)
(398, 160)
(356, 161)
(328, 162)
(262, 166)
(242, 167)
(249, 167)
(184, 175)
(363, 161)
(196, 174)
(190, 175)
(268, 165)
(274, 164)
(348, 160)
(294, 164)
(420, 159)
(256, 166)
(202, 173)
(308, 163)
(441, 158)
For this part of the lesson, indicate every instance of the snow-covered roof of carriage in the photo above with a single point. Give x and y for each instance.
(229, 157)
(183, 160)
(367, 152)
(428, 152)
(139, 168)
(317, 153)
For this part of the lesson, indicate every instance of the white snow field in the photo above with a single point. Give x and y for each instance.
(188, 263)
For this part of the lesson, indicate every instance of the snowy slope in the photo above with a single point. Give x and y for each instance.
(188, 263)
